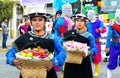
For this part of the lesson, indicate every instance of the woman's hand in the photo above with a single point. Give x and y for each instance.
(88, 53)
(17, 64)
(85, 54)
(49, 66)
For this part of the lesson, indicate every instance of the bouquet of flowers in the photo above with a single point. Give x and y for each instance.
(75, 50)
(33, 62)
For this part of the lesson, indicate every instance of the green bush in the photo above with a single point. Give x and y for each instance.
(6, 9)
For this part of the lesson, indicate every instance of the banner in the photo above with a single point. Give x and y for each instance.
(86, 8)
(32, 2)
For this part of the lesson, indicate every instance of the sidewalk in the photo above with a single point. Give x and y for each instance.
(9, 44)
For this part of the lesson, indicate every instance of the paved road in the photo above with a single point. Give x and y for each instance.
(7, 71)
(103, 71)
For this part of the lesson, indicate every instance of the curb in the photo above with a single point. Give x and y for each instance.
(4, 50)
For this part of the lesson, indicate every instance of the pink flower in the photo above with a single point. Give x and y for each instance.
(75, 46)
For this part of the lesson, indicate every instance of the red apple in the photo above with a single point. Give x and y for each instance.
(35, 53)
(43, 56)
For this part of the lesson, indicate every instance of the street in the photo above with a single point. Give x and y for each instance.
(101, 18)
(7, 71)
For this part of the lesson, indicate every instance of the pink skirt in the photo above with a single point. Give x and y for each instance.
(97, 58)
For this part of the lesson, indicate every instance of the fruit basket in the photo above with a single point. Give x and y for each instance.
(75, 51)
(33, 62)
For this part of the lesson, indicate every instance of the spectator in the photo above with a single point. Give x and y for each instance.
(4, 32)
(26, 27)
(20, 24)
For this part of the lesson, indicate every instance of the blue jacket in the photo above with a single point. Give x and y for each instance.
(59, 53)
(112, 33)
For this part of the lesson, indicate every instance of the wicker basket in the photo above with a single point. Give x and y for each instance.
(74, 57)
(33, 69)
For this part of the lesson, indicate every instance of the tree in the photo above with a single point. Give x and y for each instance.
(6, 9)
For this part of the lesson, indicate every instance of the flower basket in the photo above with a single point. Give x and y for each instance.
(75, 51)
(33, 69)
(74, 57)
(33, 62)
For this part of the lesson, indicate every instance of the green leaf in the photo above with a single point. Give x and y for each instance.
(38, 47)
(6, 9)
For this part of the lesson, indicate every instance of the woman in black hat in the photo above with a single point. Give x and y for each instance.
(83, 70)
(38, 37)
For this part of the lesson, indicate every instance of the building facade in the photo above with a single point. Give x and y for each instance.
(18, 14)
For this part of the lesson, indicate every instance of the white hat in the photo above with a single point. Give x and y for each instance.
(80, 16)
(39, 12)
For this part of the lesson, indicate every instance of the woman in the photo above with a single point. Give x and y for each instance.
(80, 34)
(26, 27)
(38, 37)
